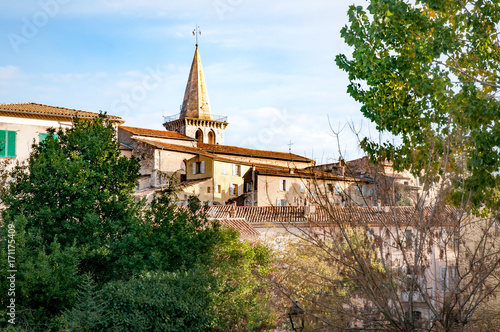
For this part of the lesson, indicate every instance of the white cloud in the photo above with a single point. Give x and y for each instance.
(9, 73)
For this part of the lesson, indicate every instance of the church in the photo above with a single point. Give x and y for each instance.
(192, 152)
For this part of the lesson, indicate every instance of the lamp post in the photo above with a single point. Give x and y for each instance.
(296, 315)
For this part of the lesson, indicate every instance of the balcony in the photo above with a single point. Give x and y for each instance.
(170, 118)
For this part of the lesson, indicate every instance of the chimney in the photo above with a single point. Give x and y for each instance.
(232, 211)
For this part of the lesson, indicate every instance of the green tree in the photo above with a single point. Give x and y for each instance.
(427, 71)
(92, 257)
(77, 187)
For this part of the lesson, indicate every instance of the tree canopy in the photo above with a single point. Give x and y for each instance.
(92, 257)
(427, 71)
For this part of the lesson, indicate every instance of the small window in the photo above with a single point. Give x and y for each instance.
(302, 187)
(237, 170)
(281, 202)
(199, 167)
(232, 189)
(448, 278)
(240, 189)
(329, 187)
(338, 189)
(223, 168)
(209, 189)
(7, 144)
(364, 190)
(284, 185)
(217, 189)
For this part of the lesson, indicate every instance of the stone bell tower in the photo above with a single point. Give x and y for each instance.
(195, 119)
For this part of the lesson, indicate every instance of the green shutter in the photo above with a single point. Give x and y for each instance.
(3, 140)
(7, 144)
(11, 144)
(42, 137)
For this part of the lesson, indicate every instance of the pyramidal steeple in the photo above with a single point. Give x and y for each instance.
(195, 103)
(195, 119)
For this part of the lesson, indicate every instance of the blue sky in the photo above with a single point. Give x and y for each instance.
(269, 65)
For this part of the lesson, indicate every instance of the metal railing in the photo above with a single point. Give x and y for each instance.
(170, 118)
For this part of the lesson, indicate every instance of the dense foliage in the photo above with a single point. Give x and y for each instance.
(427, 71)
(91, 257)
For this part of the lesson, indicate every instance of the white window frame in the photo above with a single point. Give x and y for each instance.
(236, 170)
(284, 185)
(223, 168)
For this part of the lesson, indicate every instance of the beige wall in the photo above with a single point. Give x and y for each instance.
(170, 162)
(270, 190)
(225, 180)
(209, 191)
(199, 189)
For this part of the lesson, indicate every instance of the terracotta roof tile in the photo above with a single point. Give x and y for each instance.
(192, 150)
(240, 225)
(334, 214)
(302, 173)
(235, 150)
(172, 147)
(30, 110)
(156, 133)
(188, 183)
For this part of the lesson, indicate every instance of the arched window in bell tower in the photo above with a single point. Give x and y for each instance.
(211, 137)
(199, 136)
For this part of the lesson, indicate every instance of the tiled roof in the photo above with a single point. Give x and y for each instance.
(235, 150)
(156, 133)
(302, 173)
(192, 150)
(188, 183)
(33, 110)
(332, 215)
(172, 147)
(240, 225)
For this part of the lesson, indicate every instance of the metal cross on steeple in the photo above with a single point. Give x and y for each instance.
(197, 32)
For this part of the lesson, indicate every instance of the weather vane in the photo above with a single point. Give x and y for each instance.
(197, 32)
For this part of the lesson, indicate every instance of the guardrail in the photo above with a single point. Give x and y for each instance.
(170, 118)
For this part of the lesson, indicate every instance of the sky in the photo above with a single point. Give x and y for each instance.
(269, 65)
